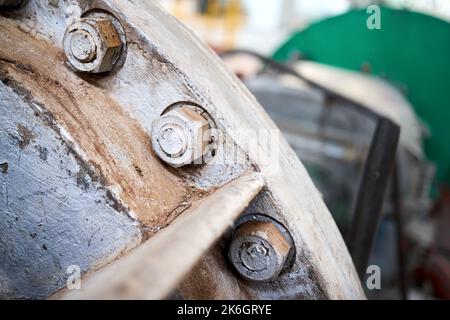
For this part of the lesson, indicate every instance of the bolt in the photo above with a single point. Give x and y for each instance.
(93, 44)
(180, 136)
(172, 140)
(259, 251)
(82, 46)
(13, 3)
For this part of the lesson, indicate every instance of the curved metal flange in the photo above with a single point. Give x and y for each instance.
(107, 119)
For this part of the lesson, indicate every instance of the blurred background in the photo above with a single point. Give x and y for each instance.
(263, 25)
(329, 72)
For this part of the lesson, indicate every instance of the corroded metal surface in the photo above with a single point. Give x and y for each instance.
(53, 214)
(114, 146)
(105, 120)
(154, 270)
(259, 251)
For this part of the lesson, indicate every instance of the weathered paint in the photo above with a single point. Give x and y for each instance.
(101, 128)
(108, 118)
(60, 218)
(98, 131)
(154, 270)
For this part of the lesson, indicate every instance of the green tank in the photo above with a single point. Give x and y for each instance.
(411, 50)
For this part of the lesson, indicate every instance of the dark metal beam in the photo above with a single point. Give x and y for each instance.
(372, 191)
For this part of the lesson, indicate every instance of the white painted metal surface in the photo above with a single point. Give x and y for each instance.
(97, 132)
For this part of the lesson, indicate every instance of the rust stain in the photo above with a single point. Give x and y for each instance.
(26, 136)
(116, 146)
(211, 279)
(109, 33)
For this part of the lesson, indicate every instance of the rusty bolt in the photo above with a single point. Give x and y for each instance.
(180, 136)
(259, 251)
(13, 3)
(92, 45)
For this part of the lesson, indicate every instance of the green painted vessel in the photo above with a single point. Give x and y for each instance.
(411, 50)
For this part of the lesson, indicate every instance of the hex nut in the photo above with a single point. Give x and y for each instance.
(92, 45)
(259, 251)
(180, 137)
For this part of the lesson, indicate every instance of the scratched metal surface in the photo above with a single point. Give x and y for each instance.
(53, 220)
(107, 122)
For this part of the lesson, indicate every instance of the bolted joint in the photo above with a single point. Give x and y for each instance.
(13, 3)
(93, 44)
(180, 136)
(259, 251)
